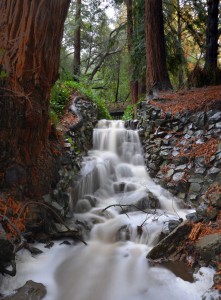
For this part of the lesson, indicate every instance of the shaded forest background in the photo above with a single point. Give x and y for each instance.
(133, 49)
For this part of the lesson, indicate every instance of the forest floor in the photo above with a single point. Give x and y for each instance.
(193, 100)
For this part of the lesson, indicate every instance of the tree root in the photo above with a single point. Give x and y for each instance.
(69, 233)
(74, 234)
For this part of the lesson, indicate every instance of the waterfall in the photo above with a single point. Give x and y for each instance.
(114, 171)
(126, 212)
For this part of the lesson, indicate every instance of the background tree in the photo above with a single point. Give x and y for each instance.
(30, 39)
(157, 77)
(211, 57)
(77, 41)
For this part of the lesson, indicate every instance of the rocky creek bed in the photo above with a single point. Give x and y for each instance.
(183, 153)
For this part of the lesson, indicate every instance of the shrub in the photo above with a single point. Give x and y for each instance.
(61, 93)
(129, 112)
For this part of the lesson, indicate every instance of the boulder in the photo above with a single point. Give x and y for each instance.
(169, 244)
(209, 247)
(7, 257)
(30, 291)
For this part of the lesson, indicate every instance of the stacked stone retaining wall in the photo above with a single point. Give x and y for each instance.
(183, 152)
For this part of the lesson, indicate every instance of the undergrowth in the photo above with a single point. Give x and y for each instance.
(129, 112)
(60, 97)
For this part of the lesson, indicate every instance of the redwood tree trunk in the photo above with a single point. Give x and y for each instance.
(212, 35)
(30, 37)
(133, 83)
(77, 41)
(180, 49)
(156, 72)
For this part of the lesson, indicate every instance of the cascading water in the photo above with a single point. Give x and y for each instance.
(124, 212)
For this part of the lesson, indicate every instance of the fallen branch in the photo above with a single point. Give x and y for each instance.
(19, 234)
(69, 231)
(127, 205)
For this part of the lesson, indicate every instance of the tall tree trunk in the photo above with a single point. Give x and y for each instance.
(212, 36)
(118, 79)
(156, 72)
(77, 41)
(180, 49)
(133, 83)
(30, 38)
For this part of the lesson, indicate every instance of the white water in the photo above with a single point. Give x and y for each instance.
(113, 266)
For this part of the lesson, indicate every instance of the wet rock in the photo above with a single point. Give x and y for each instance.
(34, 250)
(83, 206)
(178, 176)
(194, 187)
(193, 217)
(213, 117)
(30, 291)
(182, 195)
(154, 201)
(181, 167)
(199, 120)
(209, 246)
(211, 294)
(170, 243)
(124, 233)
(200, 170)
(172, 224)
(119, 187)
(200, 161)
(7, 256)
(93, 200)
(196, 179)
(216, 200)
(170, 173)
(212, 213)
(213, 171)
(201, 211)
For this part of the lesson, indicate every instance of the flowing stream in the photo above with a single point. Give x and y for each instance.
(122, 213)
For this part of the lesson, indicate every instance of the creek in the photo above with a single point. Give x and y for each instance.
(123, 214)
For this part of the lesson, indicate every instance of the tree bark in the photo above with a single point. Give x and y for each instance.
(180, 49)
(156, 72)
(30, 38)
(118, 79)
(77, 41)
(212, 36)
(133, 83)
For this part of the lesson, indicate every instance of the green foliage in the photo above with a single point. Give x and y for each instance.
(129, 112)
(53, 117)
(61, 93)
(59, 98)
(86, 91)
(3, 74)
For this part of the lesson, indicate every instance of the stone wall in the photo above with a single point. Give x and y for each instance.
(77, 143)
(183, 152)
